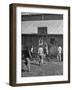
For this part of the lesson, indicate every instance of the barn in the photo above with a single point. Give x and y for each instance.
(49, 27)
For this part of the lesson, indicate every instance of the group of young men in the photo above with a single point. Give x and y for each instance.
(42, 52)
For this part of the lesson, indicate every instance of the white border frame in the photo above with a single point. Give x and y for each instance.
(63, 77)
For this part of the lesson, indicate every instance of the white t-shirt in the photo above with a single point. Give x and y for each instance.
(40, 51)
(32, 49)
(46, 49)
(59, 49)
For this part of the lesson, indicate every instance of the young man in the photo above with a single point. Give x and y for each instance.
(27, 57)
(41, 54)
(59, 53)
(32, 49)
(46, 50)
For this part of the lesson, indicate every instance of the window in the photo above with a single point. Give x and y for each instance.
(42, 30)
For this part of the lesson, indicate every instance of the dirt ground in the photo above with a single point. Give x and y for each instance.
(50, 68)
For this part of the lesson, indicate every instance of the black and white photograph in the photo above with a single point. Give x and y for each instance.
(41, 44)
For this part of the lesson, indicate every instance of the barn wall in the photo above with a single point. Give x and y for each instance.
(30, 36)
(31, 39)
(53, 26)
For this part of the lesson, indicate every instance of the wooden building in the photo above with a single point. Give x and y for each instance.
(46, 26)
